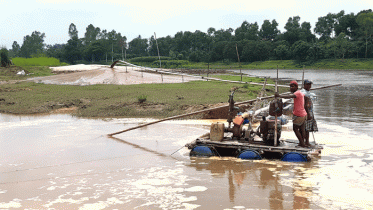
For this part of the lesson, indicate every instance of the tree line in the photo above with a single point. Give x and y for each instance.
(335, 36)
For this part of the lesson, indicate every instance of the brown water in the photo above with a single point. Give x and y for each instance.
(63, 162)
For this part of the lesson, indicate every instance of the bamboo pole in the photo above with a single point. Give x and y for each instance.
(239, 63)
(261, 94)
(276, 90)
(302, 85)
(159, 56)
(206, 110)
(204, 78)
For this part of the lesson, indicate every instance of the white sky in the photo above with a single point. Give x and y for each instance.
(132, 18)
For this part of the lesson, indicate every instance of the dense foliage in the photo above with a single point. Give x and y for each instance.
(4, 60)
(335, 36)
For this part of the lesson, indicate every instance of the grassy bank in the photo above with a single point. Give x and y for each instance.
(32, 67)
(162, 100)
(10, 73)
(350, 64)
(343, 64)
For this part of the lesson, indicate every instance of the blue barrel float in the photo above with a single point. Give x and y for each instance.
(249, 155)
(294, 157)
(202, 151)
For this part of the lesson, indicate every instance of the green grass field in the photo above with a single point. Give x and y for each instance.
(40, 61)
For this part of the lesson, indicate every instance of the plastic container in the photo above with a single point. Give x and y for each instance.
(217, 131)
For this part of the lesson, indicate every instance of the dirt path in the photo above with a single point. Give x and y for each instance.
(99, 74)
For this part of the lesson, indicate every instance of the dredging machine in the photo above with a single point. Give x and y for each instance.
(246, 138)
(243, 136)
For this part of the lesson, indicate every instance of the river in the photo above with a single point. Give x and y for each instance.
(64, 162)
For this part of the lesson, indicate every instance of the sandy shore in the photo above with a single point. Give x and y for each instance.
(99, 74)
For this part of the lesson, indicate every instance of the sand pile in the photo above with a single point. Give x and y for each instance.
(100, 74)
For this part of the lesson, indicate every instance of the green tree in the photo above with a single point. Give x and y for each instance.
(32, 44)
(282, 52)
(164, 44)
(229, 52)
(4, 57)
(92, 34)
(138, 46)
(200, 41)
(172, 55)
(95, 51)
(249, 50)
(269, 30)
(123, 45)
(55, 51)
(197, 56)
(316, 51)
(217, 50)
(183, 42)
(73, 32)
(347, 24)
(292, 27)
(305, 32)
(296, 31)
(248, 31)
(300, 50)
(222, 35)
(325, 26)
(73, 50)
(342, 45)
(211, 31)
(357, 49)
(255, 50)
(16, 49)
(365, 21)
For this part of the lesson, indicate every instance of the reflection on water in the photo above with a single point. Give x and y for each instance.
(59, 161)
(257, 184)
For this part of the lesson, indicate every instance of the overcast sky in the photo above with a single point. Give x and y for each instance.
(132, 18)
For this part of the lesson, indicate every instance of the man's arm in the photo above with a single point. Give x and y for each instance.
(307, 102)
(290, 95)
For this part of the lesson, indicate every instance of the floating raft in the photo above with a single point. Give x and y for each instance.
(287, 150)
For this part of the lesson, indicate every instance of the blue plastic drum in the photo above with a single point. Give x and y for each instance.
(202, 151)
(249, 155)
(294, 157)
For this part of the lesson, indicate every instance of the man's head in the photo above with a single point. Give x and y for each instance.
(307, 84)
(293, 86)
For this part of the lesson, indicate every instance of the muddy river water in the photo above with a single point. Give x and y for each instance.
(64, 162)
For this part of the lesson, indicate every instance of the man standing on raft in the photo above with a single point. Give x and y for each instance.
(300, 113)
(310, 125)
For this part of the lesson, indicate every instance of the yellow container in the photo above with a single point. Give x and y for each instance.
(217, 131)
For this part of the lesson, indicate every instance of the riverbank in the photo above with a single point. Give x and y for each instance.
(108, 100)
(332, 64)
